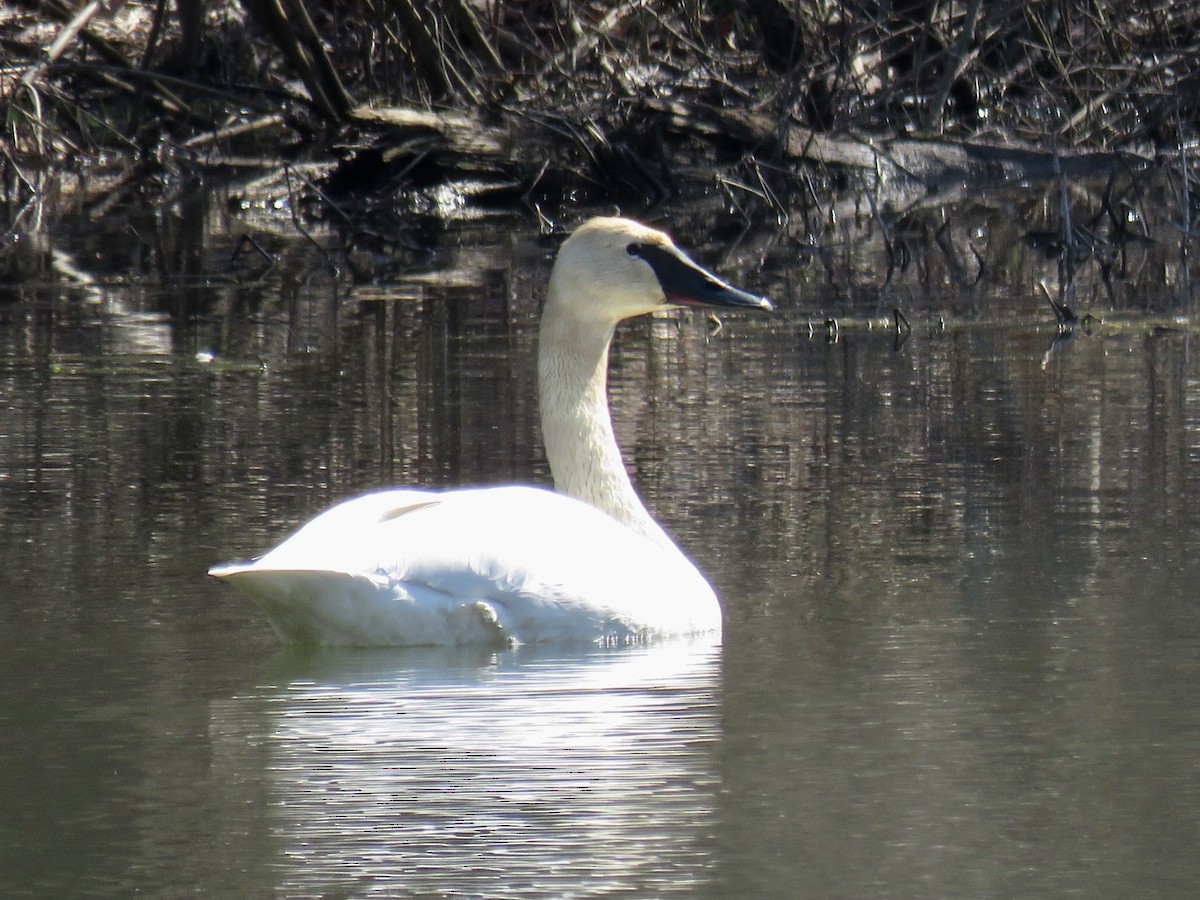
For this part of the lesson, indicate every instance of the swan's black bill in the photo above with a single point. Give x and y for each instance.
(686, 284)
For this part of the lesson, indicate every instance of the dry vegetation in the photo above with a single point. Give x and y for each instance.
(619, 99)
(373, 106)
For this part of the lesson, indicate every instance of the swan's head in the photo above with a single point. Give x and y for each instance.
(612, 269)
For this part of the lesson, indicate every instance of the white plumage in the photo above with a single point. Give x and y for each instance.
(516, 564)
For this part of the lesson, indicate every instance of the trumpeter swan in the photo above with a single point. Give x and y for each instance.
(585, 562)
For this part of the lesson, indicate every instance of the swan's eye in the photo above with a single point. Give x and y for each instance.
(634, 249)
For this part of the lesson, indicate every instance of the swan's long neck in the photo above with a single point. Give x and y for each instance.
(576, 425)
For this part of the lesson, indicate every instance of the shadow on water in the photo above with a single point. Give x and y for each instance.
(958, 575)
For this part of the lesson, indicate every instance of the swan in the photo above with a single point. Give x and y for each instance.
(585, 562)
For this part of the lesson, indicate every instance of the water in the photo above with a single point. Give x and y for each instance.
(962, 655)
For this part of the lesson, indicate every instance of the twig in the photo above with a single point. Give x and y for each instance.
(1066, 263)
(464, 16)
(953, 67)
(1064, 315)
(60, 43)
(297, 37)
(233, 131)
(588, 41)
(426, 55)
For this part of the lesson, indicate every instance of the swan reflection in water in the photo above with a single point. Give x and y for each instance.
(514, 773)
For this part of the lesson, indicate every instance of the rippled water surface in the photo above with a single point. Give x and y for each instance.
(962, 651)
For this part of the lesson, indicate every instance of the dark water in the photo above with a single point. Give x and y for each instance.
(962, 653)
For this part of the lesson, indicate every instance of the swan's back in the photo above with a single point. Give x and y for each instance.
(486, 565)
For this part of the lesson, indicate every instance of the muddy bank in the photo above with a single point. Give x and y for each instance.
(533, 103)
(789, 120)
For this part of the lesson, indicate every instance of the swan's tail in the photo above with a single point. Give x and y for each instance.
(316, 607)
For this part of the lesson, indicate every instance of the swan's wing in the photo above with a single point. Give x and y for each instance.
(473, 566)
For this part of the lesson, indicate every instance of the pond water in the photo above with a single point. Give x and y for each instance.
(962, 651)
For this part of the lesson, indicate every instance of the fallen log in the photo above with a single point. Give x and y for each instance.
(457, 133)
(935, 163)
